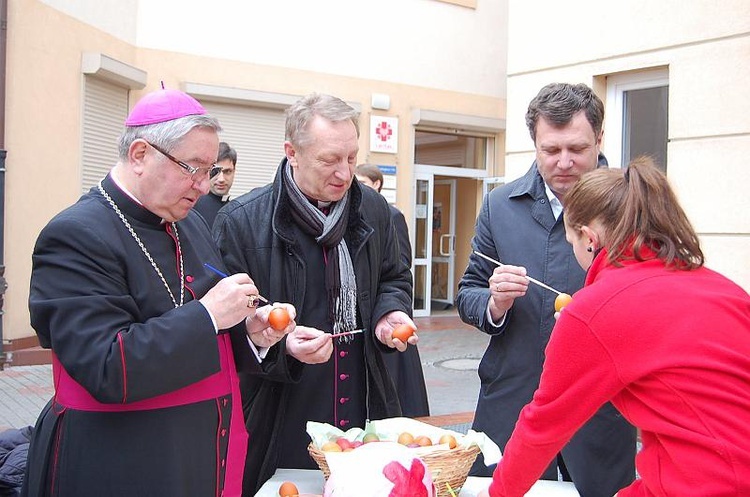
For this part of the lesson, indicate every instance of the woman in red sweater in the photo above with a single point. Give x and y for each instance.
(662, 337)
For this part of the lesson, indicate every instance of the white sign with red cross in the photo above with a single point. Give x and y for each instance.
(384, 134)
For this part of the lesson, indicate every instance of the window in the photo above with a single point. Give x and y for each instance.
(636, 118)
(450, 150)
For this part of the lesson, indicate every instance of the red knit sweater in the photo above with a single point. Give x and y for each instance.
(671, 350)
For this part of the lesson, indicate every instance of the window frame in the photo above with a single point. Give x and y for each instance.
(617, 85)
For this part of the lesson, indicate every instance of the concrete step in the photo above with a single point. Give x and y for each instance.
(30, 356)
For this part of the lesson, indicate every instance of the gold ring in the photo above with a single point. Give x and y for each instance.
(252, 300)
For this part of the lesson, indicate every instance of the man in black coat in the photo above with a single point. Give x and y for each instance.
(146, 341)
(316, 239)
(405, 368)
(208, 205)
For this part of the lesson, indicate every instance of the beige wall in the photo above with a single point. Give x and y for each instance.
(43, 120)
(705, 46)
(43, 138)
(403, 41)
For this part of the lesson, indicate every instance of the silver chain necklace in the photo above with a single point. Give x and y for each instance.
(146, 252)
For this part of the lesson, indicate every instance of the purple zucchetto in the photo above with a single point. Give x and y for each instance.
(163, 105)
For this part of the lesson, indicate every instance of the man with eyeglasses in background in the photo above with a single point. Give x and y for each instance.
(146, 341)
(208, 205)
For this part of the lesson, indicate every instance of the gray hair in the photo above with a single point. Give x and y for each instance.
(303, 111)
(166, 135)
(557, 103)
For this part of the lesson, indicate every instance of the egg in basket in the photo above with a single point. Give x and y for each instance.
(448, 455)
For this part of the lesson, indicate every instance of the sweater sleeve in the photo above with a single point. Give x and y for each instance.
(579, 376)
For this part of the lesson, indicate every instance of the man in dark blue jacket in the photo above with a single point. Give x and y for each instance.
(521, 225)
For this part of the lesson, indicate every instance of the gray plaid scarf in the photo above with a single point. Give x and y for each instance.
(328, 230)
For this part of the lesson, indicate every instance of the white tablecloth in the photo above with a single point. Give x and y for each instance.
(310, 482)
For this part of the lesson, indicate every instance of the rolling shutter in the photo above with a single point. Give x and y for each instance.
(257, 134)
(105, 108)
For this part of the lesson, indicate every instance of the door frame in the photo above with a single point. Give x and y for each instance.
(426, 261)
(428, 173)
(617, 86)
(492, 182)
(450, 258)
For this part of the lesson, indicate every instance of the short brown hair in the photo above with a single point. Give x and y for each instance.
(557, 103)
(227, 152)
(371, 171)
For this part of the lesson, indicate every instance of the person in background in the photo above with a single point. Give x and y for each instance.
(521, 225)
(208, 205)
(317, 239)
(145, 339)
(663, 338)
(371, 175)
(405, 368)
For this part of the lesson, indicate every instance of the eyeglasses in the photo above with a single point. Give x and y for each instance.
(195, 173)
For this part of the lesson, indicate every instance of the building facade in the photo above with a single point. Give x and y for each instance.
(74, 69)
(435, 81)
(673, 76)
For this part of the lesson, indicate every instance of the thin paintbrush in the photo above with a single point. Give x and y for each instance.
(532, 280)
(346, 333)
(223, 275)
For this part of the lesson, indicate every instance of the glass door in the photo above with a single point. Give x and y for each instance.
(423, 220)
(443, 243)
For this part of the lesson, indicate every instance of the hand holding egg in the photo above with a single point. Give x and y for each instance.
(396, 330)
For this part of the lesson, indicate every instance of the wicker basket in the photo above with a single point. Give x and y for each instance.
(449, 466)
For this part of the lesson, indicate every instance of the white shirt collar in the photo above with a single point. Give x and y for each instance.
(554, 202)
(119, 184)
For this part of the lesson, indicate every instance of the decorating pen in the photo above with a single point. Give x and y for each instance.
(224, 275)
(346, 333)
(532, 280)
(217, 271)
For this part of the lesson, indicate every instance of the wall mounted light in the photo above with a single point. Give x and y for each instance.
(380, 101)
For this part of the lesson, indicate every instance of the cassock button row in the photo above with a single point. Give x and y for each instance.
(343, 400)
(223, 432)
(343, 353)
(225, 402)
(342, 376)
(343, 422)
(189, 278)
